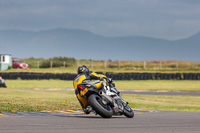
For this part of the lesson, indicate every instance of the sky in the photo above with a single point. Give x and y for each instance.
(165, 19)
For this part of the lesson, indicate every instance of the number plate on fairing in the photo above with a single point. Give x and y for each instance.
(83, 92)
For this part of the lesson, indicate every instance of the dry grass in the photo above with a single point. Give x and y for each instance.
(166, 66)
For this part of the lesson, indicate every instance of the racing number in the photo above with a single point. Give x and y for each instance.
(83, 92)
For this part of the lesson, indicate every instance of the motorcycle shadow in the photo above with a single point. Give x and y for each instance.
(98, 117)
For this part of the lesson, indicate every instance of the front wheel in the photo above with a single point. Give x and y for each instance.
(128, 112)
(99, 107)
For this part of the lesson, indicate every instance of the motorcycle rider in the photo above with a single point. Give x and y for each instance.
(2, 82)
(83, 80)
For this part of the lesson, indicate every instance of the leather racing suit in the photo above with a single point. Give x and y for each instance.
(86, 79)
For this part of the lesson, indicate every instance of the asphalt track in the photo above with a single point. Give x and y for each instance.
(147, 122)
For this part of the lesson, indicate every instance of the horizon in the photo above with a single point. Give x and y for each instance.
(61, 42)
(99, 34)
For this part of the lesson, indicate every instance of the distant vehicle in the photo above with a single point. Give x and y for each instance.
(19, 64)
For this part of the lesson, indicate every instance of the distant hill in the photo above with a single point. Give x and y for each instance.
(86, 45)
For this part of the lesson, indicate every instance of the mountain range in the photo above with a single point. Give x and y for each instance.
(83, 44)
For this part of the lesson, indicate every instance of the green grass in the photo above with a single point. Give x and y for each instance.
(25, 100)
(16, 98)
(39, 84)
(160, 102)
(161, 85)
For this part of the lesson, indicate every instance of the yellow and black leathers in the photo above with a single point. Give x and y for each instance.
(84, 80)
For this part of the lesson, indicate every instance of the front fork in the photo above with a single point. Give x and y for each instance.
(117, 104)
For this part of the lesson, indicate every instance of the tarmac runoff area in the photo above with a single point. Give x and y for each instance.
(76, 121)
(133, 92)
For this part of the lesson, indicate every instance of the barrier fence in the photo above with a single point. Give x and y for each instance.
(117, 76)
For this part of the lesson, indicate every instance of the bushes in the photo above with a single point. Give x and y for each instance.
(113, 65)
(46, 63)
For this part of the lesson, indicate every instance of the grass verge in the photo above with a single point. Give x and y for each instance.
(161, 85)
(16, 98)
(160, 102)
(26, 100)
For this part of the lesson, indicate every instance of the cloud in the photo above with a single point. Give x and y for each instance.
(156, 18)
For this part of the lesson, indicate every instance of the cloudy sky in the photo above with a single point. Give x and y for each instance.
(166, 19)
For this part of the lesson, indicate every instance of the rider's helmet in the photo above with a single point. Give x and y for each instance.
(0, 77)
(83, 69)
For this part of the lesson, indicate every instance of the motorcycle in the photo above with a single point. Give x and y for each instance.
(107, 100)
(2, 82)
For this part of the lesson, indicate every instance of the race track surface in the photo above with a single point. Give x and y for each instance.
(149, 122)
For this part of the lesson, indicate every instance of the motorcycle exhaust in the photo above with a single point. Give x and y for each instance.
(106, 97)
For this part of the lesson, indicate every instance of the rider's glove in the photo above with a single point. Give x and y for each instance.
(109, 80)
(101, 78)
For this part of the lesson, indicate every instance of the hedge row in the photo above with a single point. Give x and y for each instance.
(118, 76)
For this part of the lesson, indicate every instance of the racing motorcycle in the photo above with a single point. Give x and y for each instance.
(107, 100)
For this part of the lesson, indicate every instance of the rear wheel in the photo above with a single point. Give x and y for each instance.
(99, 107)
(128, 112)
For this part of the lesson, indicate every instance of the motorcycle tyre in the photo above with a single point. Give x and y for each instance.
(127, 113)
(98, 108)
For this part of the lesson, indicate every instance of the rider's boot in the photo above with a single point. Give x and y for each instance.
(87, 110)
